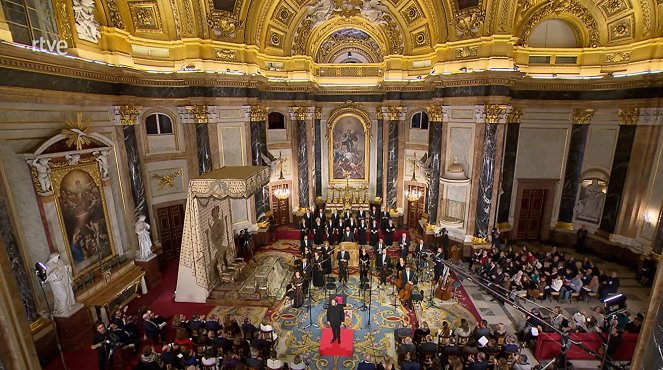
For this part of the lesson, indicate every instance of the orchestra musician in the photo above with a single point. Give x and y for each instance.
(439, 266)
(343, 257)
(362, 231)
(374, 214)
(374, 233)
(317, 270)
(348, 235)
(404, 245)
(329, 230)
(361, 214)
(318, 231)
(408, 279)
(298, 289)
(352, 225)
(326, 258)
(383, 263)
(308, 218)
(305, 244)
(321, 216)
(389, 230)
(445, 243)
(347, 216)
(400, 266)
(306, 272)
(364, 261)
(419, 251)
(335, 218)
(384, 218)
(303, 230)
(380, 246)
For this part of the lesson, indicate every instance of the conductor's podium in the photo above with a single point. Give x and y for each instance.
(335, 349)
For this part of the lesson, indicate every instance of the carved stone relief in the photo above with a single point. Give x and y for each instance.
(86, 26)
(145, 16)
(621, 30)
(469, 24)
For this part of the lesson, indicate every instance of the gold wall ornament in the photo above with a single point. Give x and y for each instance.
(645, 8)
(469, 24)
(257, 113)
(493, 113)
(317, 113)
(145, 16)
(395, 36)
(618, 57)
(558, 7)
(167, 181)
(394, 112)
(412, 13)
(434, 112)
(621, 29)
(129, 114)
(114, 13)
(582, 116)
(224, 25)
(298, 113)
(628, 116)
(514, 115)
(188, 15)
(226, 54)
(176, 18)
(467, 52)
(613, 7)
(64, 22)
(200, 113)
(76, 132)
(345, 40)
(283, 14)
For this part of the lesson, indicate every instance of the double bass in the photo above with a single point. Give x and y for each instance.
(444, 290)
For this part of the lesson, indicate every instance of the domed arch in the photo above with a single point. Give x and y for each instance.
(326, 36)
(556, 33)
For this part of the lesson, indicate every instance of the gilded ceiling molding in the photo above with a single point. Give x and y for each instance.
(553, 9)
(469, 24)
(114, 14)
(494, 113)
(646, 17)
(200, 113)
(618, 57)
(628, 116)
(514, 115)
(126, 115)
(176, 18)
(434, 112)
(582, 116)
(64, 22)
(225, 25)
(466, 52)
(225, 54)
(257, 113)
(190, 22)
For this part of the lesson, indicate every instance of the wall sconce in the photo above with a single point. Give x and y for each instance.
(649, 218)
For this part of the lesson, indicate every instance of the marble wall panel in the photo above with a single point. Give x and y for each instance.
(571, 184)
(135, 172)
(654, 205)
(457, 193)
(240, 211)
(302, 165)
(508, 171)
(620, 165)
(460, 144)
(416, 135)
(379, 158)
(317, 157)
(600, 148)
(541, 152)
(203, 149)
(233, 146)
(392, 164)
(277, 136)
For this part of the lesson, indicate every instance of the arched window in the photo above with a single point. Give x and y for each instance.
(30, 21)
(158, 124)
(553, 33)
(419, 120)
(275, 121)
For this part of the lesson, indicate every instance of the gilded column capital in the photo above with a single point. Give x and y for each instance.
(300, 113)
(317, 113)
(257, 113)
(126, 115)
(435, 113)
(582, 116)
(493, 114)
(628, 116)
(200, 113)
(392, 112)
(514, 115)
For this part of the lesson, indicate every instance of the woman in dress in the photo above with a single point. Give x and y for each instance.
(318, 232)
(389, 233)
(364, 263)
(303, 230)
(374, 233)
(329, 230)
(326, 257)
(298, 289)
(318, 272)
(362, 231)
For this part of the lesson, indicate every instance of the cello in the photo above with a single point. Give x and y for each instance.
(444, 291)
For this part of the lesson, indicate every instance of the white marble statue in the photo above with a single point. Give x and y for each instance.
(72, 159)
(375, 12)
(43, 173)
(144, 240)
(86, 25)
(320, 12)
(102, 158)
(59, 276)
(590, 204)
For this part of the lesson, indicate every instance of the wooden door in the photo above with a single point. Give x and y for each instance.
(280, 207)
(416, 209)
(171, 224)
(530, 217)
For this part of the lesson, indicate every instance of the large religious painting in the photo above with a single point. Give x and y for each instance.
(83, 215)
(348, 158)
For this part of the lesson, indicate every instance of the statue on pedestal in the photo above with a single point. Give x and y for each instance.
(59, 276)
(144, 241)
(43, 173)
(102, 158)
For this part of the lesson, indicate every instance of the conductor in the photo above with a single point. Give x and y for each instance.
(335, 316)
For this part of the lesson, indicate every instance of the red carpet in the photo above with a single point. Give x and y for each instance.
(286, 232)
(335, 349)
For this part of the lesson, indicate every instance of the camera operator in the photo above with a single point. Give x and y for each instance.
(103, 346)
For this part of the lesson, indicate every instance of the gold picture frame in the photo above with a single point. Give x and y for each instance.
(349, 162)
(83, 216)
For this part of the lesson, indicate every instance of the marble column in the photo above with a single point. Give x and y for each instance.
(509, 163)
(393, 115)
(299, 115)
(434, 153)
(493, 114)
(572, 173)
(647, 354)
(618, 172)
(135, 172)
(379, 161)
(317, 169)
(258, 129)
(17, 263)
(199, 115)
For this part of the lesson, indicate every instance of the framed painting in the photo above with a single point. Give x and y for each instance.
(349, 138)
(83, 214)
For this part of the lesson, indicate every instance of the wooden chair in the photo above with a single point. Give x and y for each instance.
(227, 274)
(500, 339)
(462, 341)
(553, 294)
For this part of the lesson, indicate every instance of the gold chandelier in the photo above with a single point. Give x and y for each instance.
(282, 193)
(413, 195)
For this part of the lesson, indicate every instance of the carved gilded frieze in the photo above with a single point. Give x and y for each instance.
(176, 17)
(64, 24)
(628, 116)
(469, 24)
(621, 30)
(145, 16)
(224, 24)
(257, 113)
(114, 14)
(645, 8)
(514, 115)
(611, 8)
(582, 116)
(226, 54)
(283, 14)
(412, 13)
(434, 112)
(200, 113)
(466, 52)
(494, 113)
(189, 16)
(299, 113)
(618, 57)
(573, 7)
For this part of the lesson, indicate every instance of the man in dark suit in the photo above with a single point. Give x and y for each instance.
(444, 241)
(305, 244)
(343, 258)
(383, 262)
(375, 215)
(439, 266)
(404, 245)
(308, 218)
(419, 253)
(384, 218)
(407, 277)
(335, 316)
(347, 215)
(367, 364)
(321, 215)
(348, 235)
(361, 214)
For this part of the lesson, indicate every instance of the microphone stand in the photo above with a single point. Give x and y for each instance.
(393, 291)
(432, 292)
(310, 304)
(55, 326)
(370, 296)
